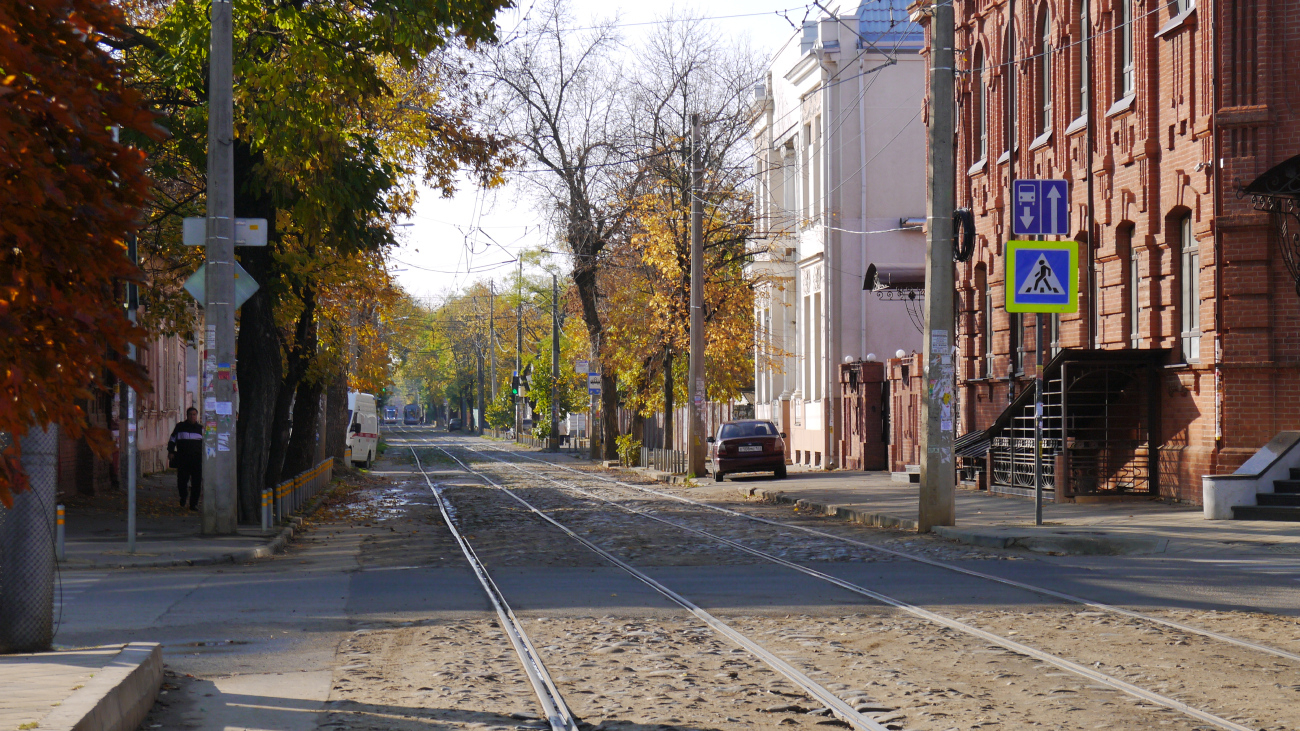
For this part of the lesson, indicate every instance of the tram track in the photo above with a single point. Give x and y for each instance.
(557, 712)
(1041, 591)
(1006, 643)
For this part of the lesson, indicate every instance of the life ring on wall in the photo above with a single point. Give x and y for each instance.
(963, 234)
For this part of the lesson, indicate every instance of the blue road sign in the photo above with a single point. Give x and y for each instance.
(1043, 276)
(1042, 208)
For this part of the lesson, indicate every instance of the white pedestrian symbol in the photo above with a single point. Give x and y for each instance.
(1041, 279)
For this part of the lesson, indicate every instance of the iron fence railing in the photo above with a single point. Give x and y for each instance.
(664, 460)
(290, 496)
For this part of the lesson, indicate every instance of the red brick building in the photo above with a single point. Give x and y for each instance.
(1184, 356)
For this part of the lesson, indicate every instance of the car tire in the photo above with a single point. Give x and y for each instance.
(719, 476)
(779, 473)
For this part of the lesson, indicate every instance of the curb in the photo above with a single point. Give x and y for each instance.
(117, 698)
(1038, 541)
(245, 555)
(1054, 541)
(879, 520)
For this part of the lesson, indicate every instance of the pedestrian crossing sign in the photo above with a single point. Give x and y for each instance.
(1042, 276)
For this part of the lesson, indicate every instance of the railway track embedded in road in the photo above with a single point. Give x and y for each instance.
(557, 712)
(939, 619)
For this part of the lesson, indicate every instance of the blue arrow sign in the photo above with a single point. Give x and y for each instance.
(1041, 208)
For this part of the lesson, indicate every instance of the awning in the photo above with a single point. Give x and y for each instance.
(885, 277)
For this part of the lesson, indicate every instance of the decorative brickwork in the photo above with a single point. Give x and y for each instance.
(1177, 260)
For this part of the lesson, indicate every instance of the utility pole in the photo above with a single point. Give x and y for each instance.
(492, 339)
(219, 500)
(132, 430)
(555, 363)
(478, 418)
(938, 477)
(519, 343)
(695, 438)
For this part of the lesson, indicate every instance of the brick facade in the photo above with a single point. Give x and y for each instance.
(1183, 111)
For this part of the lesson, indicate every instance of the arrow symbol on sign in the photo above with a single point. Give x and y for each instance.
(1027, 218)
(1053, 195)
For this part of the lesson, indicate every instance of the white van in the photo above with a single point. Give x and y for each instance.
(363, 429)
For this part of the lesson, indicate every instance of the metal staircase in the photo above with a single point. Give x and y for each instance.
(1100, 412)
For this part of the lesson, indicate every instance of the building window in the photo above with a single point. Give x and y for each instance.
(1126, 76)
(985, 305)
(808, 155)
(1009, 95)
(980, 97)
(1085, 72)
(1190, 281)
(1134, 292)
(1045, 70)
(815, 152)
(1055, 340)
(1016, 351)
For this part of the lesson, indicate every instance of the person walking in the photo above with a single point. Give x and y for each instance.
(185, 453)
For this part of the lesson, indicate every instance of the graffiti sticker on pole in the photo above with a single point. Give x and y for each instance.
(1042, 276)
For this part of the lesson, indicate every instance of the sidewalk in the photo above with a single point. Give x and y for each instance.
(109, 688)
(166, 534)
(1115, 528)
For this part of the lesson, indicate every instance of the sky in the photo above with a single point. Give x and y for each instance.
(474, 235)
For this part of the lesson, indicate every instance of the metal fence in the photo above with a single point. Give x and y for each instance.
(27, 550)
(291, 495)
(664, 460)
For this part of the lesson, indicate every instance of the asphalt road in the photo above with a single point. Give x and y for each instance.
(374, 620)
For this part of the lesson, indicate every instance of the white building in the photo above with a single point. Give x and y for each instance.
(839, 139)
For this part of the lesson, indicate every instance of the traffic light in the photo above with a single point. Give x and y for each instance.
(514, 385)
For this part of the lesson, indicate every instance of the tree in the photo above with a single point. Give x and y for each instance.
(560, 97)
(70, 193)
(339, 103)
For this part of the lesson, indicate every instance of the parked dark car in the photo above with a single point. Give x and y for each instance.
(753, 445)
(454, 425)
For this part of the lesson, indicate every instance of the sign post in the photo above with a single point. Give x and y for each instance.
(1042, 277)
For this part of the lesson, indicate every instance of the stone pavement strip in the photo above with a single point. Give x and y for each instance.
(1101, 528)
(108, 688)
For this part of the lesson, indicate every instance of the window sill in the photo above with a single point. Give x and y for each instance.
(978, 168)
(1121, 106)
(1004, 157)
(1077, 125)
(1176, 22)
(1041, 141)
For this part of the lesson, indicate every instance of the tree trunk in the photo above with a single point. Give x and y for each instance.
(300, 356)
(584, 280)
(259, 367)
(301, 452)
(668, 399)
(336, 417)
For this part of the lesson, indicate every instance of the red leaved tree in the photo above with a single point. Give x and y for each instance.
(69, 198)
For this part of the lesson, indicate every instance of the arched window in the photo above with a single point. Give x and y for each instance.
(985, 308)
(1190, 284)
(980, 113)
(1045, 69)
(1009, 92)
(1125, 56)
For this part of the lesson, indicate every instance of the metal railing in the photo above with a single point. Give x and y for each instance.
(664, 460)
(290, 496)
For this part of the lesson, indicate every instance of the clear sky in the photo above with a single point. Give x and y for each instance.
(473, 235)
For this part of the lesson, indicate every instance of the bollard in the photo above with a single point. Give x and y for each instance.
(58, 534)
(266, 511)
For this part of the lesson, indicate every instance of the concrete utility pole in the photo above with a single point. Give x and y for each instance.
(27, 561)
(938, 477)
(519, 344)
(220, 516)
(695, 438)
(131, 429)
(555, 363)
(492, 339)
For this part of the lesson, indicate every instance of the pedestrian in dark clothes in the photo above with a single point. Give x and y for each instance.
(185, 448)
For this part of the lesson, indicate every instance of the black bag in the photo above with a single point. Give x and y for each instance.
(171, 460)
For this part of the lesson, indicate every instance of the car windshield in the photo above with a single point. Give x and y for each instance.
(748, 429)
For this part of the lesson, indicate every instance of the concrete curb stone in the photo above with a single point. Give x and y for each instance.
(1037, 540)
(117, 698)
(266, 550)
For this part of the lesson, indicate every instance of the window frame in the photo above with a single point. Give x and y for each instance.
(1189, 286)
(1045, 69)
(979, 98)
(1126, 55)
(1134, 293)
